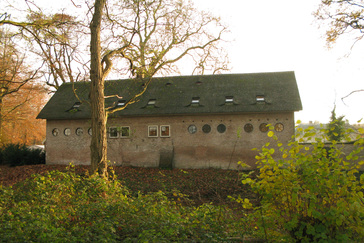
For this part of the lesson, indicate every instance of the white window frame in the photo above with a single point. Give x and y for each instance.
(67, 132)
(117, 132)
(79, 131)
(169, 131)
(149, 130)
(121, 132)
(89, 131)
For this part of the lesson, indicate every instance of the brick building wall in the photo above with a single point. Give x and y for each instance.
(198, 141)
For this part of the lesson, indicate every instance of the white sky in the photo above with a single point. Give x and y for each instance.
(282, 35)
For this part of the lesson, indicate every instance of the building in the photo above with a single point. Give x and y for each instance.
(183, 122)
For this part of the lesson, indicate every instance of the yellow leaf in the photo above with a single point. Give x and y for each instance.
(270, 134)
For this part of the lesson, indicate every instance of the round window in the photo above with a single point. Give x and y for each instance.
(192, 129)
(55, 132)
(67, 131)
(279, 127)
(221, 128)
(90, 131)
(248, 127)
(263, 127)
(79, 131)
(206, 128)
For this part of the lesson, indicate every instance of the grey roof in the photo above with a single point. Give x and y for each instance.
(173, 96)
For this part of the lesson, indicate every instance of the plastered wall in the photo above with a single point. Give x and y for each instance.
(218, 148)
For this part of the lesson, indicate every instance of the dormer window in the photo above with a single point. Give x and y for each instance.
(151, 102)
(121, 103)
(260, 98)
(76, 105)
(195, 101)
(229, 100)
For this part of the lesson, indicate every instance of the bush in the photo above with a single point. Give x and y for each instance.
(20, 154)
(314, 192)
(64, 206)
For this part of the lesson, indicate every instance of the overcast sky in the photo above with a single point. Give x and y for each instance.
(282, 35)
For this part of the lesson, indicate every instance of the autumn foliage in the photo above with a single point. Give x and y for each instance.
(21, 95)
(18, 114)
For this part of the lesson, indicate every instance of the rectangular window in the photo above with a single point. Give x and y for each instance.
(153, 131)
(165, 131)
(125, 132)
(113, 132)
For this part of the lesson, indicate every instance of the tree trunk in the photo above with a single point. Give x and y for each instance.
(98, 115)
(1, 121)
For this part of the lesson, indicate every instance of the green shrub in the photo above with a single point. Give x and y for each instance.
(20, 154)
(313, 192)
(336, 127)
(64, 206)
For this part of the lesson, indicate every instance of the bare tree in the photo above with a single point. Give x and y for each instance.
(151, 36)
(156, 35)
(59, 47)
(342, 17)
(56, 41)
(135, 38)
(98, 114)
